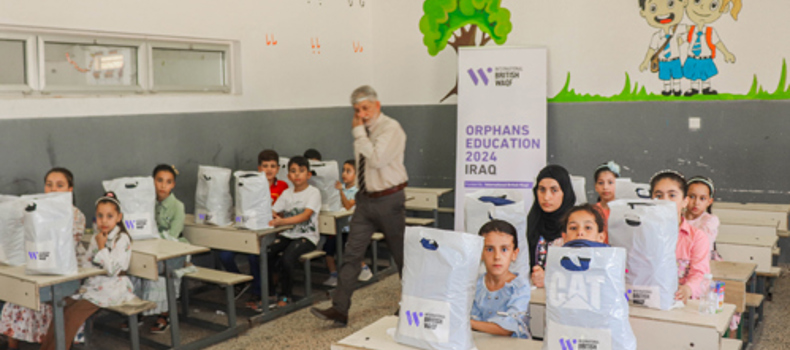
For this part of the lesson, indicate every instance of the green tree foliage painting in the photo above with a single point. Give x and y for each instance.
(456, 23)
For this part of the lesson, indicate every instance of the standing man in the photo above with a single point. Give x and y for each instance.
(379, 144)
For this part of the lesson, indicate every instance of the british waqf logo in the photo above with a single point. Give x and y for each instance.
(575, 289)
(479, 75)
(498, 76)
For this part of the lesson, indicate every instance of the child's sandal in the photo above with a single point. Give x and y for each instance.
(162, 325)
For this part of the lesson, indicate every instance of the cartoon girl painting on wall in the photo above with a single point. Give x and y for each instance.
(704, 41)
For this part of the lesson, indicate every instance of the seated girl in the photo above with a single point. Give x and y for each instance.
(501, 302)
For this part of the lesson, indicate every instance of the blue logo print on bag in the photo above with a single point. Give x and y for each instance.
(568, 264)
(566, 344)
(413, 318)
(429, 244)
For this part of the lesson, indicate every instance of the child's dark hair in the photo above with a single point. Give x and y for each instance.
(707, 182)
(110, 197)
(66, 173)
(69, 179)
(351, 162)
(268, 155)
(500, 226)
(166, 167)
(672, 175)
(611, 167)
(312, 154)
(586, 207)
(299, 161)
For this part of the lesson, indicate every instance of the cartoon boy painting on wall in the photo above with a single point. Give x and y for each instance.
(704, 41)
(665, 15)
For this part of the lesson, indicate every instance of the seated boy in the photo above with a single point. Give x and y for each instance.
(269, 164)
(582, 226)
(502, 298)
(298, 206)
(348, 191)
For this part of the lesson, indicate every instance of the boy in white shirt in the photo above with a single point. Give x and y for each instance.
(298, 206)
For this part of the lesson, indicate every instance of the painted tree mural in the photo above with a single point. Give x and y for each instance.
(456, 23)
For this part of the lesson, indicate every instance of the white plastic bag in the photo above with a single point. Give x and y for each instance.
(586, 307)
(12, 231)
(439, 278)
(138, 205)
(282, 174)
(625, 189)
(253, 201)
(648, 230)
(325, 176)
(579, 184)
(49, 236)
(507, 205)
(212, 198)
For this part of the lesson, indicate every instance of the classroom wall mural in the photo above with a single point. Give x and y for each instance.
(630, 50)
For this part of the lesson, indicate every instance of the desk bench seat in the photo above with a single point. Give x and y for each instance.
(754, 303)
(731, 344)
(221, 278)
(131, 309)
(419, 221)
(775, 272)
(306, 258)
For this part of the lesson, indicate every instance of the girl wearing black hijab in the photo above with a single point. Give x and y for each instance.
(553, 195)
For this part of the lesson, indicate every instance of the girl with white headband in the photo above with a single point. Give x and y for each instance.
(110, 250)
(698, 211)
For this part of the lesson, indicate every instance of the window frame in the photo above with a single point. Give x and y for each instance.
(225, 48)
(31, 74)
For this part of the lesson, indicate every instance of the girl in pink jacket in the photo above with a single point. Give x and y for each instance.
(693, 249)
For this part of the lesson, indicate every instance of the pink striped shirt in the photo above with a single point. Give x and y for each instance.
(693, 257)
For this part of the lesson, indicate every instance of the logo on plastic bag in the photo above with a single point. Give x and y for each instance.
(39, 256)
(568, 264)
(577, 291)
(579, 344)
(136, 224)
(425, 319)
(429, 244)
(31, 207)
(430, 321)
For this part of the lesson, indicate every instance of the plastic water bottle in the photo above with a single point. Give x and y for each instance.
(708, 299)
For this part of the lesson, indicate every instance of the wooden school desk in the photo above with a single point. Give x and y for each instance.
(750, 225)
(146, 254)
(242, 241)
(657, 329)
(375, 337)
(735, 277)
(747, 248)
(425, 199)
(31, 290)
(329, 224)
(778, 212)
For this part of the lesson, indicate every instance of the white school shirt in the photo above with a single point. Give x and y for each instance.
(705, 49)
(110, 289)
(383, 150)
(293, 203)
(659, 38)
